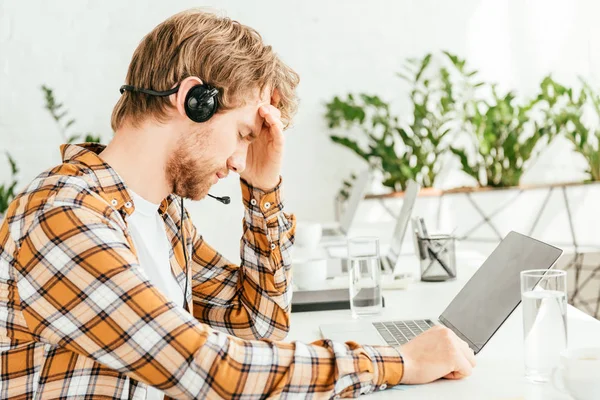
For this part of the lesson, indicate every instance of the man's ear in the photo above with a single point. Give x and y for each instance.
(275, 98)
(178, 99)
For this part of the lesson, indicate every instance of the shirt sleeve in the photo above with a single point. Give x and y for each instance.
(252, 300)
(80, 287)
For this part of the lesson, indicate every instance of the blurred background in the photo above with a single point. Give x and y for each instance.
(438, 122)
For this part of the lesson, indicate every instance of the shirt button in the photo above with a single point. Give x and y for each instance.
(128, 204)
(273, 246)
(383, 387)
(114, 202)
(253, 202)
(267, 205)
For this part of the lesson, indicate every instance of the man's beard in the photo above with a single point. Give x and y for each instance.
(189, 176)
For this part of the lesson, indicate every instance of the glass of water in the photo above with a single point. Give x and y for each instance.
(544, 296)
(365, 276)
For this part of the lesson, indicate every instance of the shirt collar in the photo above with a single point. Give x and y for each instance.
(111, 186)
(143, 206)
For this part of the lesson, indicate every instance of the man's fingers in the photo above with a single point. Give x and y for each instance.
(461, 373)
(269, 109)
(467, 352)
(273, 121)
(469, 355)
(454, 375)
(263, 111)
(465, 359)
(463, 366)
(275, 111)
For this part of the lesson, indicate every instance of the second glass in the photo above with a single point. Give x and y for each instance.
(544, 296)
(365, 276)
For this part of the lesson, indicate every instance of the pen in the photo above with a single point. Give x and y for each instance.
(432, 253)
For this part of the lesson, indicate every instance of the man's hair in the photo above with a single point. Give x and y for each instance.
(224, 53)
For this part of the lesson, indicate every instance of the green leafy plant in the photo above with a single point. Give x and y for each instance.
(565, 115)
(402, 150)
(64, 123)
(347, 184)
(7, 191)
(373, 116)
(60, 115)
(505, 139)
(343, 195)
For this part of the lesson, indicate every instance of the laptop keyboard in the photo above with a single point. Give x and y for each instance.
(399, 332)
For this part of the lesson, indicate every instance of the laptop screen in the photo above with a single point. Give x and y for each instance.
(356, 196)
(410, 196)
(494, 291)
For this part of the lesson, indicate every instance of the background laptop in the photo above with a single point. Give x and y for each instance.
(339, 265)
(477, 311)
(340, 230)
(335, 295)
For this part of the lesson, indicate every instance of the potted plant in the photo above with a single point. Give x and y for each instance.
(59, 114)
(400, 149)
(566, 114)
(505, 139)
(64, 123)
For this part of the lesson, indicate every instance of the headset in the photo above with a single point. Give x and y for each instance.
(201, 103)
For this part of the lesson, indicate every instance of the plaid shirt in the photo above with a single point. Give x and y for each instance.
(80, 319)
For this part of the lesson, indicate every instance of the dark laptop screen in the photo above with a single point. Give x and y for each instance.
(494, 291)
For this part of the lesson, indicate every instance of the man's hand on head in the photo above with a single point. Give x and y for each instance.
(263, 162)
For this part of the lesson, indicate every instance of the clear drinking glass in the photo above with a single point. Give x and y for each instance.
(544, 297)
(365, 276)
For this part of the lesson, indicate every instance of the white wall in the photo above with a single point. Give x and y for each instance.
(82, 49)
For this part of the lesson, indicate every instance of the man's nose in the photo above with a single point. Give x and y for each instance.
(237, 162)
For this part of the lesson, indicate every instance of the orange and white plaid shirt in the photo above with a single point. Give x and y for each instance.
(80, 319)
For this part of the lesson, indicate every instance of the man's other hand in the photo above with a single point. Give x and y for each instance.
(436, 353)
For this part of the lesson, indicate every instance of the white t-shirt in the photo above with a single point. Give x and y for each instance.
(150, 239)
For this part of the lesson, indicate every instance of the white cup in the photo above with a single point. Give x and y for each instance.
(308, 234)
(310, 273)
(578, 373)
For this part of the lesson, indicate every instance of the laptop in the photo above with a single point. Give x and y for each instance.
(339, 231)
(389, 260)
(477, 311)
(410, 197)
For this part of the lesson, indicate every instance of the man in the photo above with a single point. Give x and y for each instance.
(99, 297)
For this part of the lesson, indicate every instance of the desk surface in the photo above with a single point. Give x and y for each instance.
(499, 374)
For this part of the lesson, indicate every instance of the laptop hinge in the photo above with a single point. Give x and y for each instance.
(472, 345)
(386, 264)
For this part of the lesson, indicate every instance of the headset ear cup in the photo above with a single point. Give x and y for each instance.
(198, 106)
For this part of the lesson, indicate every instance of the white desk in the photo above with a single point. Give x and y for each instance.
(499, 374)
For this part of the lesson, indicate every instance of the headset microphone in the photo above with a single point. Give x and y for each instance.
(224, 199)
